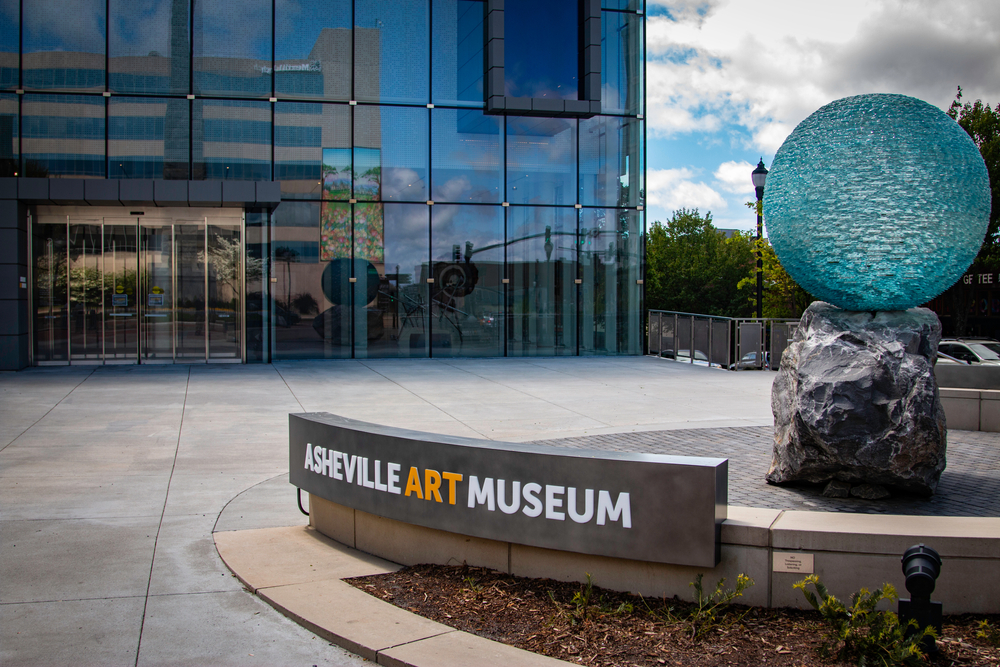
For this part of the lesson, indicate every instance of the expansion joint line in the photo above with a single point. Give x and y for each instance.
(288, 387)
(163, 512)
(34, 423)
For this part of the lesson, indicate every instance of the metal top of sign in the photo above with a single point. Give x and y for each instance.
(358, 425)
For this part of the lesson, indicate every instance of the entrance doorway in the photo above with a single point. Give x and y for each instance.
(162, 287)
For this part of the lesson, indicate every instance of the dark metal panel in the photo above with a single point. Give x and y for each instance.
(135, 192)
(33, 189)
(8, 214)
(67, 191)
(170, 193)
(8, 188)
(13, 352)
(268, 193)
(238, 193)
(101, 192)
(13, 246)
(671, 507)
(13, 312)
(205, 193)
(547, 106)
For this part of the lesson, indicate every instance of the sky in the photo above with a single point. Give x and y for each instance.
(728, 80)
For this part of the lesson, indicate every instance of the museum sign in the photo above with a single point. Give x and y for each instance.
(665, 509)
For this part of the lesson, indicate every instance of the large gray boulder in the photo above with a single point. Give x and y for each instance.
(855, 400)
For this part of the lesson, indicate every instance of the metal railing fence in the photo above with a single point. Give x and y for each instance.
(727, 342)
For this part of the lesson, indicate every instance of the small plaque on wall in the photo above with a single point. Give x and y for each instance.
(793, 562)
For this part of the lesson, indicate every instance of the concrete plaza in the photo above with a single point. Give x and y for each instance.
(113, 480)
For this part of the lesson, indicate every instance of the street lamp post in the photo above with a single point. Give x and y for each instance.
(758, 177)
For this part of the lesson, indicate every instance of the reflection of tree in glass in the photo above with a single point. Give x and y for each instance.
(368, 185)
(287, 255)
(305, 303)
(225, 257)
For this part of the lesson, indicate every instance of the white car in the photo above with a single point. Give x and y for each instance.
(969, 351)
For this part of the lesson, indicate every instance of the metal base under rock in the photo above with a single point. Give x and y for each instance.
(855, 400)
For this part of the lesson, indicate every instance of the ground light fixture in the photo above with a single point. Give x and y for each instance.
(921, 567)
(758, 176)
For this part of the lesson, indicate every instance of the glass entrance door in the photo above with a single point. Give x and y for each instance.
(137, 289)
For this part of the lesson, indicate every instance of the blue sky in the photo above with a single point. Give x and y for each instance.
(728, 80)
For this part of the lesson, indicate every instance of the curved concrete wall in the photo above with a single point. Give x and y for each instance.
(848, 551)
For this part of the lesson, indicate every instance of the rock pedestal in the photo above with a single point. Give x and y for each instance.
(855, 400)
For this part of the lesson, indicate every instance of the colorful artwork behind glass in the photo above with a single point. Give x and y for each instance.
(334, 231)
(337, 173)
(369, 233)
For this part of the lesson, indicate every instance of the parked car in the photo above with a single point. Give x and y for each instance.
(969, 351)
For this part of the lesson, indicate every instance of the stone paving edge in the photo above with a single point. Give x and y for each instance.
(276, 564)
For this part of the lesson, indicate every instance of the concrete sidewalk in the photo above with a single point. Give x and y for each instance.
(112, 480)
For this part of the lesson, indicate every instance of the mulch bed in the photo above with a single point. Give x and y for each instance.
(540, 615)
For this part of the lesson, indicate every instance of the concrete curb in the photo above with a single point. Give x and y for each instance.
(300, 573)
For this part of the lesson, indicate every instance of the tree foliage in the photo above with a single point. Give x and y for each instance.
(692, 267)
(983, 124)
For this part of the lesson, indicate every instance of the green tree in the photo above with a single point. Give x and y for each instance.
(692, 267)
(782, 295)
(982, 123)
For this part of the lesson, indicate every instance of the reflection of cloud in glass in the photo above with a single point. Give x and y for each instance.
(64, 25)
(482, 226)
(220, 34)
(406, 239)
(401, 184)
(127, 39)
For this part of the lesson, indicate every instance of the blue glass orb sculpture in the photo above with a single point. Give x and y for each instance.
(877, 202)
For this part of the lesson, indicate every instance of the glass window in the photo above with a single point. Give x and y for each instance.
(231, 139)
(312, 49)
(467, 294)
(256, 279)
(609, 161)
(148, 137)
(63, 135)
(149, 47)
(232, 49)
(621, 63)
(394, 238)
(310, 318)
(390, 153)
(312, 150)
(541, 49)
(467, 156)
(10, 21)
(542, 267)
(541, 160)
(622, 4)
(51, 292)
(391, 51)
(8, 135)
(610, 264)
(64, 45)
(458, 52)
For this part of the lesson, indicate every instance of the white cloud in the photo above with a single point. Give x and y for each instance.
(734, 177)
(671, 189)
(763, 66)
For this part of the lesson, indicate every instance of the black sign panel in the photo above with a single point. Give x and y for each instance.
(664, 509)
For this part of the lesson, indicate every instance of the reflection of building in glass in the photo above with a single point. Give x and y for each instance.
(385, 211)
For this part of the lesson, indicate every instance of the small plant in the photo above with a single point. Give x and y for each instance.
(472, 585)
(862, 634)
(710, 609)
(989, 633)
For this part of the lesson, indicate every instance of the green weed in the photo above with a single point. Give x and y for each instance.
(862, 634)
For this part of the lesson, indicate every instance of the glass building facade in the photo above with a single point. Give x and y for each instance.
(411, 220)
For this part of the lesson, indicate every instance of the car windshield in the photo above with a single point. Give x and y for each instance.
(987, 351)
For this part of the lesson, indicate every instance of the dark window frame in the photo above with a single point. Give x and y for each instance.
(589, 103)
